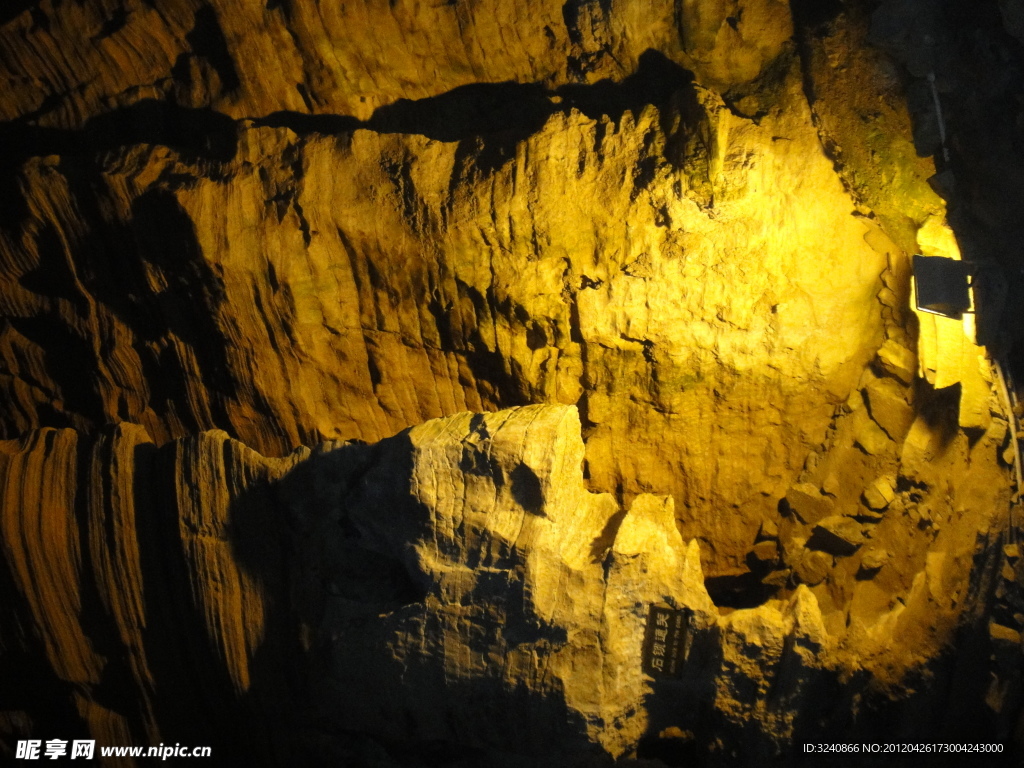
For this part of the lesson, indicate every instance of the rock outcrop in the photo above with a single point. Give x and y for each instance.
(639, 245)
(369, 370)
(453, 585)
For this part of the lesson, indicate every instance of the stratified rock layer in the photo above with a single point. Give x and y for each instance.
(639, 250)
(455, 584)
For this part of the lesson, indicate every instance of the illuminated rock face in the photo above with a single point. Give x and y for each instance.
(454, 584)
(698, 281)
(679, 231)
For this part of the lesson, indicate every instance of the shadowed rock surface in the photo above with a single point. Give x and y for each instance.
(357, 600)
(674, 235)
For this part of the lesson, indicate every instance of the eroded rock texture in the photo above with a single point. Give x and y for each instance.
(611, 230)
(455, 584)
(689, 223)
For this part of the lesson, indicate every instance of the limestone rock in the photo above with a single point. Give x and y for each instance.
(453, 577)
(898, 361)
(319, 240)
(1009, 455)
(870, 515)
(778, 578)
(495, 506)
(766, 551)
(838, 535)
(461, 556)
(231, 232)
(872, 560)
(807, 501)
(813, 567)
(433, 528)
(889, 408)
(1004, 638)
(769, 530)
(831, 484)
(873, 439)
(879, 494)
(770, 656)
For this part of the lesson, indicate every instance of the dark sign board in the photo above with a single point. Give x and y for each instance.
(942, 285)
(665, 641)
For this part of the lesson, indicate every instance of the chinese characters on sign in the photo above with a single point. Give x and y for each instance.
(665, 641)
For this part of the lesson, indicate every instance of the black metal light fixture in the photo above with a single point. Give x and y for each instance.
(943, 285)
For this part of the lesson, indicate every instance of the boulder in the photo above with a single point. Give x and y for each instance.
(838, 535)
(809, 504)
(879, 494)
(889, 407)
(777, 579)
(898, 361)
(766, 551)
(813, 567)
(769, 530)
(872, 561)
(872, 438)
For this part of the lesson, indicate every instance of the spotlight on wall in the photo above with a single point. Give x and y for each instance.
(943, 286)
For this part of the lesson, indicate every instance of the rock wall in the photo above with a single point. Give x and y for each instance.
(689, 223)
(636, 239)
(453, 585)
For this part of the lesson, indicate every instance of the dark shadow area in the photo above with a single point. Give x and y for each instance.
(333, 545)
(166, 246)
(491, 370)
(150, 273)
(813, 14)
(201, 134)
(526, 489)
(681, 718)
(490, 119)
(162, 238)
(671, 752)
(603, 543)
(207, 41)
(118, 18)
(656, 79)
(515, 110)
(68, 354)
(52, 276)
(743, 590)
(303, 123)
(1016, 356)
(940, 410)
(12, 9)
